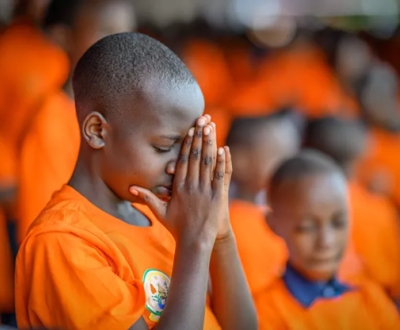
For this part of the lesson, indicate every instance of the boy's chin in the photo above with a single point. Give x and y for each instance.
(322, 274)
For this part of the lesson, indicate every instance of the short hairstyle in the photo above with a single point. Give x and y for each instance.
(122, 64)
(305, 163)
(244, 131)
(335, 137)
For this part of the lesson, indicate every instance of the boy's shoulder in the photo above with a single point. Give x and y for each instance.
(65, 212)
(365, 300)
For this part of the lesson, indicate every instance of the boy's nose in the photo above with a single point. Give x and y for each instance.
(171, 168)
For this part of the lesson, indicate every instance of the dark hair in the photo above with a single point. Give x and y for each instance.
(122, 64)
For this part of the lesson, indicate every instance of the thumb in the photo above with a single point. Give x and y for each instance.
(158, 207)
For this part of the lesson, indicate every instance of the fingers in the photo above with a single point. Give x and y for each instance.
(182, 163)
(195, 152)
(206, 156)
(228, 169)
(214, 147)
(157, 206)
(219, 173)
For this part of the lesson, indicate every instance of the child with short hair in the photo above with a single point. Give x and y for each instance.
(93, 261)
(308, 197)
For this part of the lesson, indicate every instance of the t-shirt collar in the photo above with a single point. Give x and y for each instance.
(306, 292)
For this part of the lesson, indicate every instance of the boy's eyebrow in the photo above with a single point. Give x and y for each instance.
(171, 137)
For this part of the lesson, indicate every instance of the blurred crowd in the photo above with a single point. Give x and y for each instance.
(271, 91)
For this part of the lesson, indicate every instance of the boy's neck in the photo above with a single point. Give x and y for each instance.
(89, 184)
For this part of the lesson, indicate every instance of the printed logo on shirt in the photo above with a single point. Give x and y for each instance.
(156, 286)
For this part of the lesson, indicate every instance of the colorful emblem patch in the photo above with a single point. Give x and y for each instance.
(156, 286)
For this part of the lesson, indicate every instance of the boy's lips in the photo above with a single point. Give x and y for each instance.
(163, 192)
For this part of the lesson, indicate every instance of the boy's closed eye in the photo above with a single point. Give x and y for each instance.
(162, 149)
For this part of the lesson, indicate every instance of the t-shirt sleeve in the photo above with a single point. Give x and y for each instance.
(63, 281)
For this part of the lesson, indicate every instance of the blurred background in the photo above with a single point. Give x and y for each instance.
(309, 60)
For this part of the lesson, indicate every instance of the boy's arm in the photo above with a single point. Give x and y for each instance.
(192, 216)
(231, 298)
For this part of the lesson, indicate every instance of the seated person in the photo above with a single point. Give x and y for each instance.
(308, 197)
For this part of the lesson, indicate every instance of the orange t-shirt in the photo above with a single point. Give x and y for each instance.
(48, 156)
(382, 161)
(30, 67)
(376, 236)
(81, 268)
(297, 77)
(263, 254)
(364, 307)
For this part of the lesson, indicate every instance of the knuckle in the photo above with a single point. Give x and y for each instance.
(220, 161)
(191, 188)
(183, 159)
(209, 142)
(219, 175)
(189, 140)
(207, 160)
(195, 153)
(198, 133)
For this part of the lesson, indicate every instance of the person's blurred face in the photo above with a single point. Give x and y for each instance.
(353, 59)
(275, 143)
(97, 20)
(311, 215)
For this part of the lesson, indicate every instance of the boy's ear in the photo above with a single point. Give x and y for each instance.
(94, 130)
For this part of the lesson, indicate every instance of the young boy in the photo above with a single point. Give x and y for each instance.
(258, 145)
(91, 260)
(50, 148)
(309, 211)
(375, 223)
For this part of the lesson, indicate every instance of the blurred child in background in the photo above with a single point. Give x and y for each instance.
(50, 147)
(258, 146)
(308, 197)
(375, 224)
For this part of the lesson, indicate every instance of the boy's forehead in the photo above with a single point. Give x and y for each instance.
(160, 106)
(316, 190)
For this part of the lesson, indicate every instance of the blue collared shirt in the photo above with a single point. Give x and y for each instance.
(306, 291)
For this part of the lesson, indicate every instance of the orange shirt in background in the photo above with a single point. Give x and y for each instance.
(376, 236)
(48, 156)
(365, 307)
(298, 77)
(263, 254)
(207, 63)
(30, 67)
(381, 166)
(81, 268)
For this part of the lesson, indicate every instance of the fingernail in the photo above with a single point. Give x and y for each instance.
(191, 132)
(207, 130)
(227, 148)
(220, 151)
(134, 191)
(201, 122)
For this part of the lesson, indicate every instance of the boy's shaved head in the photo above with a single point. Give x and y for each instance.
(305, 163)
(343, 140)
(125, 64)
(136, 102)
(308, 197)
